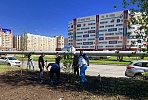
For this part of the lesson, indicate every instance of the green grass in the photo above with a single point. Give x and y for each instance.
(5, 68)
(110, 61)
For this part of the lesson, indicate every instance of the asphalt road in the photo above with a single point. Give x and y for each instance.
(93, 70)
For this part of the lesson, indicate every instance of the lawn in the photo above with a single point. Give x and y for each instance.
(110, 61)
(5, 68)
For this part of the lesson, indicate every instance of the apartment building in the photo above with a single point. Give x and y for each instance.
(6, 39)
(32, 42)
(103, 31)
(59, 42)
(66, 42)
(17, 42)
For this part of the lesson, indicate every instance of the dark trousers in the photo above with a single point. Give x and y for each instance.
(76, 70)
(57, 72)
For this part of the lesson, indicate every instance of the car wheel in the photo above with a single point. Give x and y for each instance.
(139, 77)
(9, 64)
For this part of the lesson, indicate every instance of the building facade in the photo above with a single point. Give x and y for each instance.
(102, 32)
(66, 42)
(6, 39)
(32, 42)
(59, 42)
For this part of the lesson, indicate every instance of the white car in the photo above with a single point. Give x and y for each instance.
(10, 61)
(136, 68)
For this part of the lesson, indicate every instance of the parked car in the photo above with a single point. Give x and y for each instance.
(9, 60)
(136, 68)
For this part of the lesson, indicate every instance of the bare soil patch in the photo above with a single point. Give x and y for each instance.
(14, 86)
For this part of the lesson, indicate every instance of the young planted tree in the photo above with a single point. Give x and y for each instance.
(67, 67)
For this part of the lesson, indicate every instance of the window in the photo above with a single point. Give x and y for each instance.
(79, 43)
(102, 16)
(103, 22)
(79, 25)
(77, 46)
(120, 28)
(118, 46)
(79, 32)
(87, 18)
(91, 46)
(112, 29)
(85, 28)
(138, 64)
(92, 35)
(112, 42)
(85, 46)
(101, 38)
(119, 24)
(79, 36)
(101, 34)
(100, 46)
(103, 30)
(119, 41)
(78, 39)
(71, 26)
(102, 42)
(110, 46)
(87, 35)
(85, 31)
(109, 26)
(87, 43)
(91, 23)
(93, 27)
(101, 26)
(119, 33)
(92, 31)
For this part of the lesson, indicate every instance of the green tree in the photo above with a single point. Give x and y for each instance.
(141, 7)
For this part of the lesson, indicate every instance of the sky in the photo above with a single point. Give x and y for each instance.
(50, 17)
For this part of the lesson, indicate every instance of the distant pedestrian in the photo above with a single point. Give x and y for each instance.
(83, 66)
(75, 64)
(41, 67)
(29, 62)
(57, 58)
(55, 69)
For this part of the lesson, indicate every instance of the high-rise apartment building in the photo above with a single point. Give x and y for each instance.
(32, 42)
(66, 42)
(17, 42)
(6, 39)
(59, 42)
(103, 31)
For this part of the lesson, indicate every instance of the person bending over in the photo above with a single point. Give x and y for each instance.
(55, 69)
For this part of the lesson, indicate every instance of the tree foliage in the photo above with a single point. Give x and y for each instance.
(139, 7)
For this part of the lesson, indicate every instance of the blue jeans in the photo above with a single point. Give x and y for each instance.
(40, 75)
(30, 64)
(82, 73)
